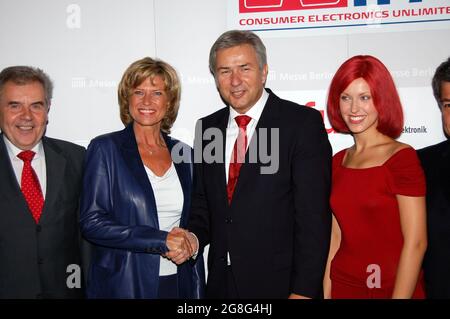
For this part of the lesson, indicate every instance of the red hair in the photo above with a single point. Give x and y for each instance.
(384, 94)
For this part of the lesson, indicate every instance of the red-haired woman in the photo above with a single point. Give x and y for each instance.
(378, 188)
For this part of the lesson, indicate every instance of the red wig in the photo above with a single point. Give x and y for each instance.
(382, 88)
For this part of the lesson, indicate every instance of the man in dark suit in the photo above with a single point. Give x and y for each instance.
(263, 209)
(40, 180)
(436, 164)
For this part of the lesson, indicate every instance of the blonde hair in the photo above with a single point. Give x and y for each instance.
(137, 73)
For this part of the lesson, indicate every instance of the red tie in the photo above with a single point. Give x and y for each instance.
(238, 154)
(30, 186)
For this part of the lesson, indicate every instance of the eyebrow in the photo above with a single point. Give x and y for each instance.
(345, 92)
(229, 67)
(151, 90)
(17, 102)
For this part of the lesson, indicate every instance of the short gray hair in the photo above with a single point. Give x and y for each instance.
(234, 38)
(22, 75)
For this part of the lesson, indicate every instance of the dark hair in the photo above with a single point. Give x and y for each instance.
(137, 73)
(22, 75)
(442, 74)
(234, 38)
(382, 88)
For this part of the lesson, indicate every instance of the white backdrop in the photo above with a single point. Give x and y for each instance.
(86, 45)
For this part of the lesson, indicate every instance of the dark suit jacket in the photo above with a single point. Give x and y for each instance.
(436, 164)
(119, 216)
(277, 229)
(34, 257)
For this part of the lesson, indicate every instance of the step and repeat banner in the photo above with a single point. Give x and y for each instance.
(350, 21)
(86, 45)
(265, 15)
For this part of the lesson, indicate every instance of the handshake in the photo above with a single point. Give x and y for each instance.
(182, 245)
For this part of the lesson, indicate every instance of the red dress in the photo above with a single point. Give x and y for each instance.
(365, 206)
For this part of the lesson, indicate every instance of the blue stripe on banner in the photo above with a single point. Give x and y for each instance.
(359, 3)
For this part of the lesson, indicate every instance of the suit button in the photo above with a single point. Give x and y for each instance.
(222, 259)
(38, 228)
(40, 296)
(228, 220)
(40, 261)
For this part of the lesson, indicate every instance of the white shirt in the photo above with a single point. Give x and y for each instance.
(233, 129)
(38, 163)
(232, 134)
(169, 205)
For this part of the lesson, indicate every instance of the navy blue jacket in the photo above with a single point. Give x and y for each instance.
(119, 216)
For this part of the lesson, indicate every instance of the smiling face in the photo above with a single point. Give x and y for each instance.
(23, 113)
(238, 77)
(357, 108)
(445, 106)
(148, 103)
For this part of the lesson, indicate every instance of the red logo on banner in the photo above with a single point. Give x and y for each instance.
(322, 112)
(247, 6)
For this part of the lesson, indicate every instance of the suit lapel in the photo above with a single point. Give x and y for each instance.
(269, 119)
(446, 152)
(55, 165)
(130, 153)
(219, 168)
(446, 168)
(9, 186)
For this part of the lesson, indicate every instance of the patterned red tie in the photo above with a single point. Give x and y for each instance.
(30, 186)
(238, 154)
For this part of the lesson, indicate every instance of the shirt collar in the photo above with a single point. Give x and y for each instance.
(14, 150)
(255, 111)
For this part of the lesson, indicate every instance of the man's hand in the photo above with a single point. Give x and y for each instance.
(193, 241)
(179, 244)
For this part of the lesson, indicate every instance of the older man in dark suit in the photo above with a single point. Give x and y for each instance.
(40, 180)
(262, 184)
(436, 164)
